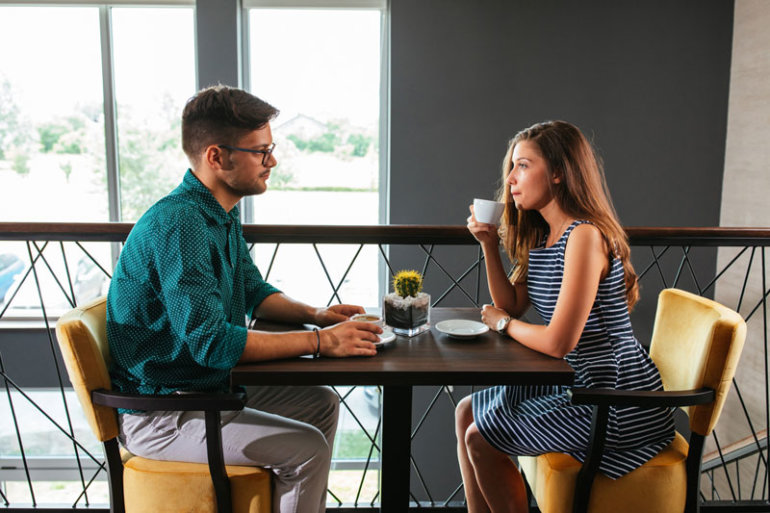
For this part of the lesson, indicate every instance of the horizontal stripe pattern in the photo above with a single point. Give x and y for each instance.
(532, 420)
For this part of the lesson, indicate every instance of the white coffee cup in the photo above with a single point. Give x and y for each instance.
(367, 317)
(488, 211)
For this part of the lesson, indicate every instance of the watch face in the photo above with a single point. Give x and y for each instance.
(501, 324)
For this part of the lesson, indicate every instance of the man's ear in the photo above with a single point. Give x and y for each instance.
(214, 157)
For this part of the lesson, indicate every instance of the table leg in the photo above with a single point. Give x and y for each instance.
(396, 447)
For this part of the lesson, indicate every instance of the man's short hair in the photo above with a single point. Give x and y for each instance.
(221, 115)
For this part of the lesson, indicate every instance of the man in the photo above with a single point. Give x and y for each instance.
(178, 305)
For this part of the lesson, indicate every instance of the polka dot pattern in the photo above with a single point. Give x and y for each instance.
(181, 295)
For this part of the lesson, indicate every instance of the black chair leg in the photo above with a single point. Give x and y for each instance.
(694, 455)
(217, 462)
(115, 476)
(585, 478)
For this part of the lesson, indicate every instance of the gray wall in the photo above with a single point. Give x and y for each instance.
(26, 354)
(218, 43)
(647, 81)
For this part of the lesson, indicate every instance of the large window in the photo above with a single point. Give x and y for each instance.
(90, 104)
(54, 156)
(59, 145)
(154, 57)
(52, 159)
(65, 157)
(321, 69)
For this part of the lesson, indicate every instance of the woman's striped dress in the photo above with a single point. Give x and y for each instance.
(531, 420)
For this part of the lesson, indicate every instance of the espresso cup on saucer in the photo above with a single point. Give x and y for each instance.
(367, 317)
(488, 211)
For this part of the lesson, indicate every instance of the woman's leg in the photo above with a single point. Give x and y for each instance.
(463, 420)
(500, 482)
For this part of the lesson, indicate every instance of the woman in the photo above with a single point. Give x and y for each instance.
(554, 193)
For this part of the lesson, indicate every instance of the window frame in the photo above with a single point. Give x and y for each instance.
(65, 468)
(110, 101)
(110, 110)
(247, 204)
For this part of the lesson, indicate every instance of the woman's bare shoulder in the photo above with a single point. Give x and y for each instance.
(588, 237)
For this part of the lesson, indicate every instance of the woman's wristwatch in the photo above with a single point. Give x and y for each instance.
(502, 324)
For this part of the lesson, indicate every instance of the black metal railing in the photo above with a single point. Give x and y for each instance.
(65, 264)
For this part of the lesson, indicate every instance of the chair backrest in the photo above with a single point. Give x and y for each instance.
(696, 342)
(82, 336)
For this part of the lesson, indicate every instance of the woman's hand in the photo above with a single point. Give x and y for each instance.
(485, 233)
(490, 315)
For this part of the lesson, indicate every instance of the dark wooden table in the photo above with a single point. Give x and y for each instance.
(431, 358)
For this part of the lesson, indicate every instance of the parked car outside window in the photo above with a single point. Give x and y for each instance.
(10, 267)
(90, 281)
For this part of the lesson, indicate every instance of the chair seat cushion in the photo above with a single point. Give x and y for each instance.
(552, 476)
(153, 486)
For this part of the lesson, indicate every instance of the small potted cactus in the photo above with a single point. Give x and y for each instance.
(407, 310)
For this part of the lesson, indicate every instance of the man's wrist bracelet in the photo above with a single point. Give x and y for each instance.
(318, 343)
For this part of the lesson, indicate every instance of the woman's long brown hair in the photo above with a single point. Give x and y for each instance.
(582, 194)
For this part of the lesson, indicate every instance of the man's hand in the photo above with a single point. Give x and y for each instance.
(335, 314)
(353, 338)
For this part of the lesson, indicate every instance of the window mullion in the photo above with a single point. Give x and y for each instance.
(384, 139)
(110, 121)
(110, 117)
(247, 203)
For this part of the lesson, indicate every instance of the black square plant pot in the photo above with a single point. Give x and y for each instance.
(407, 321)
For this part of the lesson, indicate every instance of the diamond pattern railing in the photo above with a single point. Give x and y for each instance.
(65, 264)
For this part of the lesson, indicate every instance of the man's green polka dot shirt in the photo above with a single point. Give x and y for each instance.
(180, 296)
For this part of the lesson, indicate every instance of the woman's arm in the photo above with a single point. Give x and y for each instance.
(585, 263)
(511, 298)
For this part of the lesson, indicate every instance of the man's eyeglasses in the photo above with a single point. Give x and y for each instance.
(265, 153)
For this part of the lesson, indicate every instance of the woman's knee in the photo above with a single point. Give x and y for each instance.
(475, 442)
(463, 417)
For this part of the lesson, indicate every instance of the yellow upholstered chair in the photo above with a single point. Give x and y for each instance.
(696, 344)
(139, 485)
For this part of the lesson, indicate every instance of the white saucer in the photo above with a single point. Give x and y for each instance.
(462, 328)
(387, 337)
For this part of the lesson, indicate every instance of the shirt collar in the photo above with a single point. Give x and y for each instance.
(206, 201)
